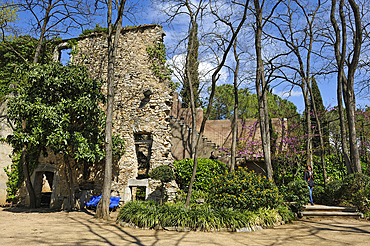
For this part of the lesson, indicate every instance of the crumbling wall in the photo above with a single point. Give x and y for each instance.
(142, 102)
(141, 116)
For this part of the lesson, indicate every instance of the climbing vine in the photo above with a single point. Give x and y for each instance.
(73, 45)
(157, 54)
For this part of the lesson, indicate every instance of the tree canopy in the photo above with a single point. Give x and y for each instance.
(223, 104)
(62, 107)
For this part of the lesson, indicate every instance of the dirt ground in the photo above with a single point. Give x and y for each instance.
(44, 227)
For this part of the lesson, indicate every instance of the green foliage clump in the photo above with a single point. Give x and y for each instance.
(157, 55)
(297, 194)
(206, 170)
(196, 195)
(243, 189)
(222, 107)
(15, 177)
(97, 29)
(151, 214)
(333, 166)
(163, 173)
(356, 191)
(318, 194)
(60, 105)
(10, 60)
(332, 194)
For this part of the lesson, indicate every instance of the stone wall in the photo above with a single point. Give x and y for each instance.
(5, 151)
(217, 134)
(141, 119)
(141, 116)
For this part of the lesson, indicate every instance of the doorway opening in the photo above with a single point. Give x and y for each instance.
(143, 147)
(44, 188)
(138, 193)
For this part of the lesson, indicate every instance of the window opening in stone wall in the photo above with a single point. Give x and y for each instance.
(143, 147)
(138, 193)
(65, 56)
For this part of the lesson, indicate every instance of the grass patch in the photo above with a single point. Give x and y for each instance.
(149, 214)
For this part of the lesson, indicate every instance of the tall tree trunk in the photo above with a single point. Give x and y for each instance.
(194, 153)
(261, 93)
(341, 76)
(26, 173)
(308, 126)
(70, 182)
(25, 168)
(42, 34)
(342, 123)
(349, 91)
(236, 105)
(351, 119)
(210, 100)
(103, 206)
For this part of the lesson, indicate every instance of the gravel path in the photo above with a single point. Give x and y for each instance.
(42, 227)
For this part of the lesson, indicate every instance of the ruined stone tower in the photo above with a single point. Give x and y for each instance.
(143, 100)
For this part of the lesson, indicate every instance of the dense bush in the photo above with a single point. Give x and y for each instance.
(332, 194)
(333, 167)
(318, 194)
(206, 170)
(151, 214)
(196, 196)
(297, 194)
(356, 191)
(163, 173)
(242, 189)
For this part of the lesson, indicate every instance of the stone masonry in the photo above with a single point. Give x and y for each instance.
(5, 151)
(142, 106)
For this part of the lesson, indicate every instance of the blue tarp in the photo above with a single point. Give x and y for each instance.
(94, 200)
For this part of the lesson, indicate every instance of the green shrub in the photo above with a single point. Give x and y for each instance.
(286, 214)
(332, 193)
(319, 195)
(297, 194)
(163, 173)
(151, 214)
(242, 189)
(356, 191)
(206, 170)
(196, 195)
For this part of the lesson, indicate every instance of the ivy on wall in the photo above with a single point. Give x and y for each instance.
(157, 54)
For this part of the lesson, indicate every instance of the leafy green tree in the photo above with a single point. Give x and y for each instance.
(61, 107)
(222, 107)
(8, 15)
(321, 113)
(14, 53)
(192, 66)
(223, 104)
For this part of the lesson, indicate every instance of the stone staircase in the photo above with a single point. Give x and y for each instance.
(181, 137)
(204, 138)
(330, 211)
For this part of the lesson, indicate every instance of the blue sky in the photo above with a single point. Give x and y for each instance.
(148, 14)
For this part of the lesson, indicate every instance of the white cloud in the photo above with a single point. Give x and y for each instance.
(177, 63)
(290, 93)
